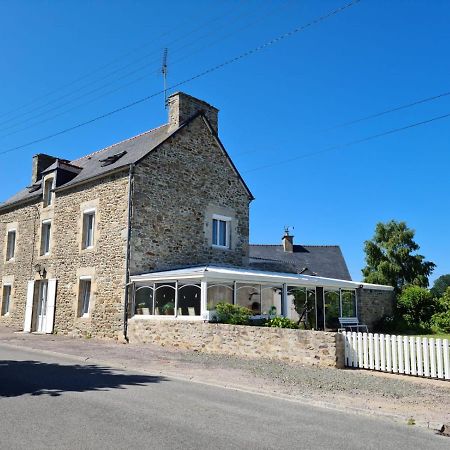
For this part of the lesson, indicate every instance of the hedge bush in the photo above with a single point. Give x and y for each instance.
(281, 322)
(232, 314)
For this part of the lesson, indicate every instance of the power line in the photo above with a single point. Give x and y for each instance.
(199, 75)
(351, 143)
(388, 111)
(76, 106)
(246, 26)
(99, 69)
(375, 115)
(126, 75)
(100, 88)
(93, 91)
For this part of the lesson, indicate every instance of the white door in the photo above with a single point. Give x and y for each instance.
(29, 307)
(42, 307)
(50, 310)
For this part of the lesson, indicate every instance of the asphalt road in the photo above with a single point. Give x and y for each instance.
(54, 402)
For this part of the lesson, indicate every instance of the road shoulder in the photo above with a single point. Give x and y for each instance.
(398, 398)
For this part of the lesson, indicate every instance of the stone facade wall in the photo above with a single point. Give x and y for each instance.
(301, 346)
(106, 262)
(373, 304)
(20, 269)
(177, 188)
(67, 261)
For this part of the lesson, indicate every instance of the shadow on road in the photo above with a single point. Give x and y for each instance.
(38, 378)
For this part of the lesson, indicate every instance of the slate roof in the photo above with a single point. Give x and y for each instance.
(93, 166)
(321, 260)
(136, 148)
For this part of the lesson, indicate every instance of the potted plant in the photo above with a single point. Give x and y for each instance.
(142, 309)
(168, 309)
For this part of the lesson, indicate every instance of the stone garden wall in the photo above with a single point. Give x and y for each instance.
(315, 348)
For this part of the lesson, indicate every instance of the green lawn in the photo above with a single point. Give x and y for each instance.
(435, 336)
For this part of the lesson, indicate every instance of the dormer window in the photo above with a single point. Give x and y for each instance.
(48, 188)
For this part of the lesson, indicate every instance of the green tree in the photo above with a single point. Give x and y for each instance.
(416, 305)
(440, 285)
(440, 322)
(391, 257)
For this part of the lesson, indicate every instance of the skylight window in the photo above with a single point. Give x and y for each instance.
(34, 187)
(112, 159)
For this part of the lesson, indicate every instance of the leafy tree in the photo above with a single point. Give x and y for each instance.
(391, 257)
(440, 286)
(440, 322)
(416, 305)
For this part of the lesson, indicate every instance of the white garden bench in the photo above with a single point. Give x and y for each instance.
(351, 324)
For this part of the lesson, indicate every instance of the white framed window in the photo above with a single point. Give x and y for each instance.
(45, 237)
(6, 299)
(84, 296)
(221, 231)
(88, 228)
(47, 192)
(11, 245)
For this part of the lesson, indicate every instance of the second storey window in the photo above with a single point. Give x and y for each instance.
(6, 299)
(88, 229)
(221, 231)
(48, 186)
(11, 245)
(45, 237)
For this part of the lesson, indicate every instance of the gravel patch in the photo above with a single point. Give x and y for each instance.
(306, 378)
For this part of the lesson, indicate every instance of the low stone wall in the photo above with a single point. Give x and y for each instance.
(301, 346)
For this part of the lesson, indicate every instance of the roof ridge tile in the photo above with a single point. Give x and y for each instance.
(301, 245)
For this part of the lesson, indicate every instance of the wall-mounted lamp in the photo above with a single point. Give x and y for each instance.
(41, 270)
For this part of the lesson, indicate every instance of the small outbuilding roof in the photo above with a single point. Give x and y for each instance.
(321, 260)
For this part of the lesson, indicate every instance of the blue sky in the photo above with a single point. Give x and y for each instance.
(66, 62)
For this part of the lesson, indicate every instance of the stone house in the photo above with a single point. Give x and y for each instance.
(76, 233)
(93, 243)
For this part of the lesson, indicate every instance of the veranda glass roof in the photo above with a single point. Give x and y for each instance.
(222, 273)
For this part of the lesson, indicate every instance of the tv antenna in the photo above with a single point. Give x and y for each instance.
(164, 73)
(287, 229)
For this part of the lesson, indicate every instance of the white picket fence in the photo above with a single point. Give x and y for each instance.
(407, 355)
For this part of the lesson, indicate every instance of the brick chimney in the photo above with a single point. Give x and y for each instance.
(288, 241)
(182, 107)
(40, 163)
